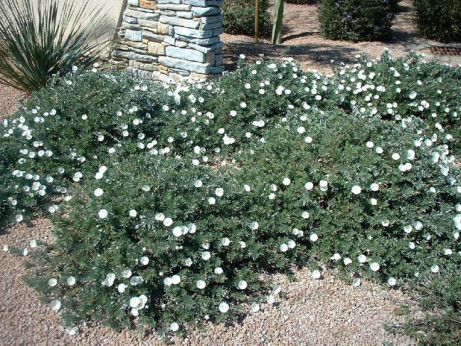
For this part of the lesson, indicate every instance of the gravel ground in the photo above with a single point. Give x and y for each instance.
(312, 312)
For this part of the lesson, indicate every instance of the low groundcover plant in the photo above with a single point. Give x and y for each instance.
(178, 198)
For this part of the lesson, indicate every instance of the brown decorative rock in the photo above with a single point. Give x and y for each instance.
(149, 4)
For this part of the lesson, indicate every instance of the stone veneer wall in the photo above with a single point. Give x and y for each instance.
(170, 39)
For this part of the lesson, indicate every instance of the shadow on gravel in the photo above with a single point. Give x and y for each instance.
(320, 54)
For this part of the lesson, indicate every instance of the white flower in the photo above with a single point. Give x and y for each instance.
(374, 266)
(5, 248)
(323, 185)
(391, 281)
(407, 229)
(121, 288)
(254, 308)
(174, 327)
(435, 268)
(309, 186)
(347, 261)
(379, 150)
(218, 271)
(188, 262)
(126, 273)
(316, 274)
(33, 243)
(219, 192)
(55, 305)
(374, 187)
(305, 215)
(206, 255)
(291, 244)
(336, 257)
(395, 156)
(418, 225)
(223, 307)
(144, 260)
(136, 280)
(175, 279)
(308, 140)
(243, 105)
(301, 130)
(411, 245)
(254, 225)
(52, 282)
(284, 247)
(356, 190)
(242, 284)
(159, 217)
(270, 299)
(225, 241)
(313, 237)
(98, 192)
(99, 176)
(167, 281)
(19, 218)
(362, 258)
(447, 252)
(374, 201)
(286, 181)
(71, 281)
(201, 284)
(167, 222)
(370, 144)
(242, 244)
(211, 200)
(133, 213)
(103, 213)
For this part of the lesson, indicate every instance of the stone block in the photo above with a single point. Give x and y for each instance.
(141, 15)
(184, 65)
(218, 60)
(148, 23)
(169, 2)
(176, 21)
(149, 4)
(156, 48)
(194, 33)
(151, 35)
(194, 75)
(199, 41)
(206, 49)
(205, 11)
(203, 3)
(162, 28)
(133, 2)
(169, 40)
(130, 20)
(186, 54)
(217, 32)
(217, 69)
(212, 19)
(187, 15)
(174, 7)
(133, 35)
(211, 26)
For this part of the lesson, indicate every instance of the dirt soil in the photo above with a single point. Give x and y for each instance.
(312, 312)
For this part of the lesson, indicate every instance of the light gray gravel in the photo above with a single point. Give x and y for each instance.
(312, 312)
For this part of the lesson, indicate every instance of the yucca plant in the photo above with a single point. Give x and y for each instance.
(39, 39)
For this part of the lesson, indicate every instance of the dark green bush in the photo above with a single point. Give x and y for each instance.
(239, 17)
(266, 167)
(356, 20)
(439, 19)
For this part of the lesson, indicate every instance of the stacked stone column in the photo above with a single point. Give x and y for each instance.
(171, 39)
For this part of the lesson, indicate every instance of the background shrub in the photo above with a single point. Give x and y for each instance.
(356, 20)
(445, 26)
(239, 17)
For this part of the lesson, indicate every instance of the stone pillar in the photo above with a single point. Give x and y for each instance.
(170, 39)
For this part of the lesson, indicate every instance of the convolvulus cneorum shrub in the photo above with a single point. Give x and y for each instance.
(439, 19)
(356, 20)
(196, 190)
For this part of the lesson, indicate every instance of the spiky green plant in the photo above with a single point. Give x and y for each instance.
(41, 38)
